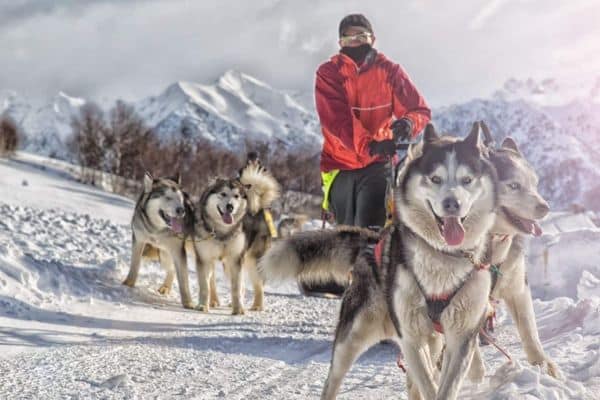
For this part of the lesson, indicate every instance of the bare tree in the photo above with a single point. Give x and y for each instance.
(10, 135)
(124, 146)
(207, 161)
(296, 169)
(90, 131)
(126, 141)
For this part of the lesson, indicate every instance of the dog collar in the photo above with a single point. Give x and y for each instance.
(502, 237)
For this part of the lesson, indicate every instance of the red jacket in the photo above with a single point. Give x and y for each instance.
(356, 105)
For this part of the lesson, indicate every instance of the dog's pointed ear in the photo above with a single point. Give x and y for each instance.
(148, 179)
(488, 139)
(430, 135)
(472, 140)
(244, 188)
(509, 143)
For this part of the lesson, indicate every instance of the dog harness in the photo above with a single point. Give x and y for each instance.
(436, 304)
(268, 217)
(212, 233)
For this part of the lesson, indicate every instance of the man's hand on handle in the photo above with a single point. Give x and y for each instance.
(402, 129)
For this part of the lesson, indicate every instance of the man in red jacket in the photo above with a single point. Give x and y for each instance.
(366, 105)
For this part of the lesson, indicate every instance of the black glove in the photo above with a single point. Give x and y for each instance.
(402, 129)
(382, 148)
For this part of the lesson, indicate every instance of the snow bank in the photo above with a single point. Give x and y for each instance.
(558, 259)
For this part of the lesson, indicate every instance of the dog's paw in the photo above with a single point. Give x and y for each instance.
(129, 282)
(257, 307)
(238, 311)
(215, 303)
(550, 367)
(202, 308)
(164, 290)
(476, 373)
(188, 305)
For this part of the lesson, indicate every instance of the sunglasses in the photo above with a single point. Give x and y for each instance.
(359, 37)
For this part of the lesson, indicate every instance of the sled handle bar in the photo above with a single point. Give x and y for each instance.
(404, 145)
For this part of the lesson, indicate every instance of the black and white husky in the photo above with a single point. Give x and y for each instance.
(429, 271)
(162, 218)
(231, 227)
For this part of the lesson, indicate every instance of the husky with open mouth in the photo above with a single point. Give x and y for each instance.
(520, 208)
(162, 219)
(429, 271)
(232, 227)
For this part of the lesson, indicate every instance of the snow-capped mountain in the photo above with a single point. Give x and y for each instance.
(549, 92)
(236, 108)
(46, 127)
(561, 141)
(556, 125)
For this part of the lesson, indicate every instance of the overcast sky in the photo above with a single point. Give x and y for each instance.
(453, 50)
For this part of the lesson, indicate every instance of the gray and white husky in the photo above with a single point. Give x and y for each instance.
(427, 272)
(162, 218)
(521, 206)
(230, 227)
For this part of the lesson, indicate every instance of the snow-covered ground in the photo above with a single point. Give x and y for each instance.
(69, 329)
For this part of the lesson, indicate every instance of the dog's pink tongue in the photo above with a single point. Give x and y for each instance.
(453, 231)
(176, 225)
(227, 218)
(535, 229)
(530, 226)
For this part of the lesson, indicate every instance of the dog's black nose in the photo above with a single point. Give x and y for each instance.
(451, 205)
(179, 211)
(229, 208)
(542, 209)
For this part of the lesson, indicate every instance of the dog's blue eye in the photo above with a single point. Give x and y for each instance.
(436, 179)
(514, 186)
(466, 180)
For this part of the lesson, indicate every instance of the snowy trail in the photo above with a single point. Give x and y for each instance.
(69, 329)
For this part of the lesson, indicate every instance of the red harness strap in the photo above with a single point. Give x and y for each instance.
(399, 362)
(439, 297)
(438, 327)
(378, 252)
(501, 236)
(438, 302)
(444, 297)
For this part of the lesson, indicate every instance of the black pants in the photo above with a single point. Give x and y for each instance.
(356, 198)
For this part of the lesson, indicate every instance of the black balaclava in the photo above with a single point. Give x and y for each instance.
(357, 54)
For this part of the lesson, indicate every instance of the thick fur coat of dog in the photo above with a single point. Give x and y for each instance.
(521, 206)
(228, 228)
(162, 218)
(431, 270)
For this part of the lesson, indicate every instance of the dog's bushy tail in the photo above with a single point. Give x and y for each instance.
(262, 190)
(315, 256)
